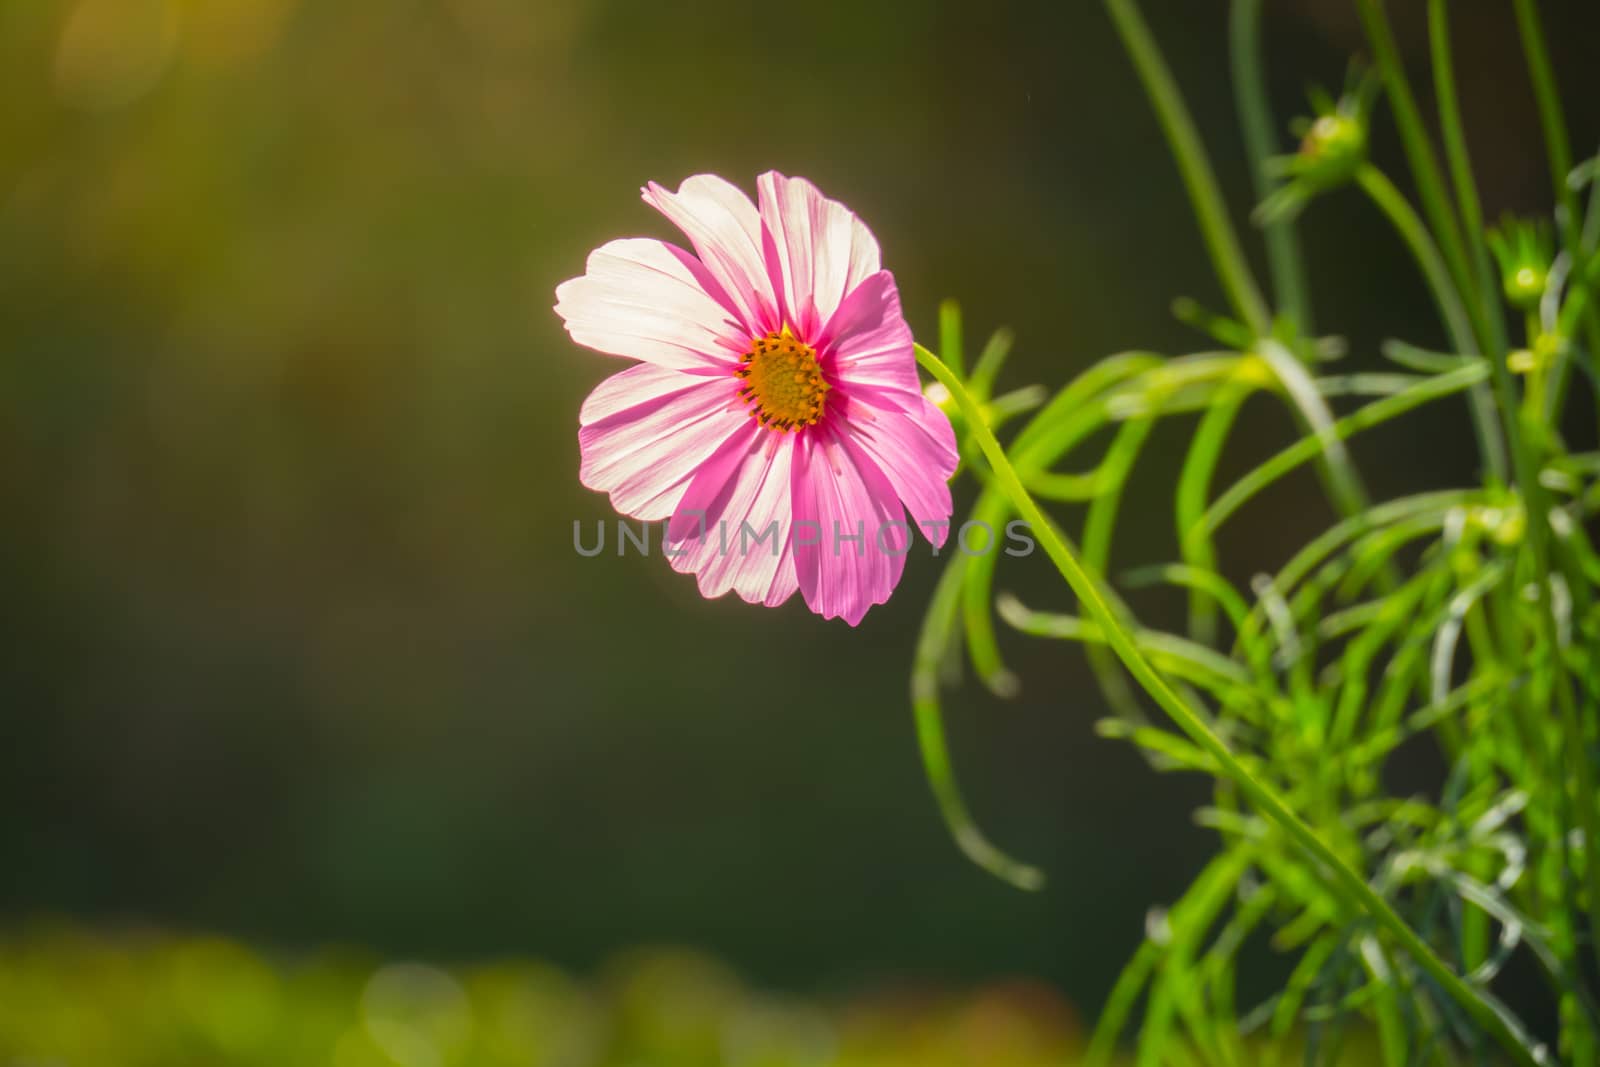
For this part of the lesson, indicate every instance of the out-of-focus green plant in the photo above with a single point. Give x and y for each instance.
(1465, 618)
(143, 999)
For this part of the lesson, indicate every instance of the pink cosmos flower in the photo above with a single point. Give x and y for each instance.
(775, 384)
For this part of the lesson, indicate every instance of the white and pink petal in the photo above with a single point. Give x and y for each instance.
(648, 300)
(725, 230)
(646, 432)
(916, 453)
(867, 345)
(817, 250)
(730, 528)
(851, 537)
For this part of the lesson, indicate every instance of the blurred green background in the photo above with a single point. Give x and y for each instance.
(296, 646)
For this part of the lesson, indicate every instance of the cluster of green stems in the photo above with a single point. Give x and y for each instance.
(1519, 446)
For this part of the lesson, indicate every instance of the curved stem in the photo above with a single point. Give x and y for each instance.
(930, 736)
(1445, 295)
(1455, 141)
(1204, 194)
(1400, 215)
(1308, 448)
(1549, 101)
(1256, 123)
(1455, 146)
(1194, 486)
(1345, 490)
(1414, 138)
(1342, 880)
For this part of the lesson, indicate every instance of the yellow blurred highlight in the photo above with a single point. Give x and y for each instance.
(226, 34)
(418, 1015)
(112, 52)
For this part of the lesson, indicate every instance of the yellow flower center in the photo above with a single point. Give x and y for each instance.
(783, 384)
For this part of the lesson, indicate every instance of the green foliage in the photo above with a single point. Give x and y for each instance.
(1465, 619)
(147, 999)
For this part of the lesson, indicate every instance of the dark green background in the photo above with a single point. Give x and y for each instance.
(295, 643)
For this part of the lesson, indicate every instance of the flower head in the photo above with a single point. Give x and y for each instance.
(1333, 148)
(774, 417)
(1524, 250)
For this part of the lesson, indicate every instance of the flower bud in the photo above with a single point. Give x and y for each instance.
(1525, 252)
(1332, 148)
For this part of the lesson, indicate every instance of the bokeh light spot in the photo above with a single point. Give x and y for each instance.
(114, 51)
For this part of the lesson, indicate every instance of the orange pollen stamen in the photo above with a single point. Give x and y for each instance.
(782, 382)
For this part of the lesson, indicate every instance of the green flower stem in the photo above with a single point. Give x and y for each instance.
(1560, 152)
(1226, 679)
(1549, 100)
(1487, 295)
(1559, 148)
(1414, 138)
(1584, 277)
(982, 646)
(1338, 471)
(1393, 204)
(1119, 1005)
(1099, 524)
(990, 360)
(1204, 194)
(951, 338)
(1256, 123)
(1074, 413)
(1452, 311)
(1342, 880)
(1455, 140)
(1194, 487)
